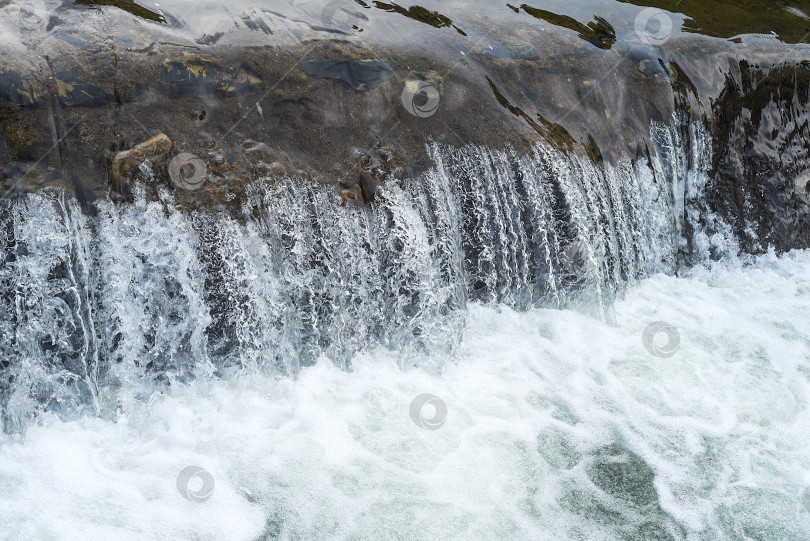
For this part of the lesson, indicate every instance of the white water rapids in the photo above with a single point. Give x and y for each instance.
(559, 426)
(280, 352)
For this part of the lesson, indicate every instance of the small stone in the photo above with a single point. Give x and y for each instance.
(158, 145)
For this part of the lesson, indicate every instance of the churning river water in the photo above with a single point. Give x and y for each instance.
(522, 338)
(546, 424)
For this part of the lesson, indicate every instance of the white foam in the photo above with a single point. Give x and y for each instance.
(534, 399)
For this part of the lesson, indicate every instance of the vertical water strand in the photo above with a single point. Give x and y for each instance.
(656, 223)
(8, 313)
(264, 246)
(223, 294)
(440, 211)
(322, 258)
(624, 262)
(595, 184)
(377, 280)
(54, 361)
(83, 287)
(241, 295)
(623, 191)
(259, 208)
(670, 166)
(515, 259)
(497, 257)
(558, 243)
(287, 218)
(476, 223)
(359, 283)
(586, 249)
(349, 311)
(153, 292)
(683, 163)
(539, 223)
(328, 292)
(642, 217)
(696, 176)
(507, 235)
(712, 237)
(269, 303)
(434, 199)
(412, 279)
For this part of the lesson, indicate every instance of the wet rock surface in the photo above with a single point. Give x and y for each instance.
(762, 154)
(323, 94)
(362, 74)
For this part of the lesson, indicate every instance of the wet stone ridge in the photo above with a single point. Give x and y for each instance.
(320, 100)
(177, 203)
(761, 159)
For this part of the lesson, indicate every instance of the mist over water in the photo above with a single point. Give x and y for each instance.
(578, 389)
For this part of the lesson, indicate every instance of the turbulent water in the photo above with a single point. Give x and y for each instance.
(99, 311)
(559, 426)
(280, 348)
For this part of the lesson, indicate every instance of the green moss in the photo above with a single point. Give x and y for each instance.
(598, 33)
(729, 18)
(128, 6)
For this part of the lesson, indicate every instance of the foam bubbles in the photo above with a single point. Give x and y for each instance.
(560, 426)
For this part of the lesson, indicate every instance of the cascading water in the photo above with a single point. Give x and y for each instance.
(181, 327)
(587, 320)
(99, 311)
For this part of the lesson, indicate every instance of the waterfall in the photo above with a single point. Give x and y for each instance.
(683, 160)
(97, 312)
